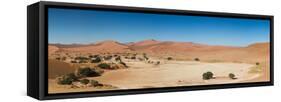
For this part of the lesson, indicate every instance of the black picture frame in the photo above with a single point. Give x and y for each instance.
(37, 72)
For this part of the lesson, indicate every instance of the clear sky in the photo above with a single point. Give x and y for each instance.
(67, 26)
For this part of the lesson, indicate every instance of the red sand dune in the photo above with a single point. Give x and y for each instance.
(52, 49)
(57, 68)
(252, 53)
(101, 47)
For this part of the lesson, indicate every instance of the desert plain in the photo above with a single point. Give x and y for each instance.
(111, 65)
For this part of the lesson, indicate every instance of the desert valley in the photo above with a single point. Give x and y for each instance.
(112, 65)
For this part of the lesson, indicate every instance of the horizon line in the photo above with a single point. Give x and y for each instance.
(96, 42)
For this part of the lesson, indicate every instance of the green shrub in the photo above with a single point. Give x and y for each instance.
(67, 79)
(73, 61)
(158, 62)
(257, 63)
(96, 60)
(231, 75)
(169, 58)
(63, 58)
(82, 61)
(108, 57)
(94, 83)
(72, 76)
(58, 58)
(145, 56)
(207, 75)
(81, 58)
(133, 57)
(196, 59)
(90, 56)
(118, 58)
(87, 72)
(98, 70)
(85, 81)
(104, 66)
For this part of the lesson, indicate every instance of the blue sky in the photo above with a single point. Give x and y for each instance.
(67, 26)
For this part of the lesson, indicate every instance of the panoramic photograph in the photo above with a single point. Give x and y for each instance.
(94, 50)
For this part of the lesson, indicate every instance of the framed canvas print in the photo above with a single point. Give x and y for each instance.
(83, 50)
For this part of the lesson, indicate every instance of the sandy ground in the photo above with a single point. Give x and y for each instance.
(167, 74)
(174, 73)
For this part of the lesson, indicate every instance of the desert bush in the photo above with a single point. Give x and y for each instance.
(87, 72)
(104, 66)
(118, 58)
(98, 70)
(72, 76)
(169, 58)
(73, 61)
(81, 58)
(133, 57)
(94, 83)
(107, 57)
(84, 81)
(231, 75)
(145, 56)
(90, 56)
(126, 57)
(208, 75)
(124, 64)
(257, 63)
(67, 79)
(196, 59)
(63, 58)
(158, 62)
(96, 60)
(58, 58)
(82, 61)
(93, 56)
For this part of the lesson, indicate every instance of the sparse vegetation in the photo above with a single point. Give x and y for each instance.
(96, 60)
(63, 58)
(124, 64)
(81, 58)
(157, 63)
(82, 61)
(231, 76)
(196, 59)
(58, 58)
(104, 66)
(85, 81)
(67, 79)
(94, 83)
(145, 56)
(73, 61)
(118, 58)
(133, 57)
(169, 58)
(208, 75)
(86, 72)
(107, 57)
(257, 63)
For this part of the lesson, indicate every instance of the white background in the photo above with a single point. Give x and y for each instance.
(13, 51)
